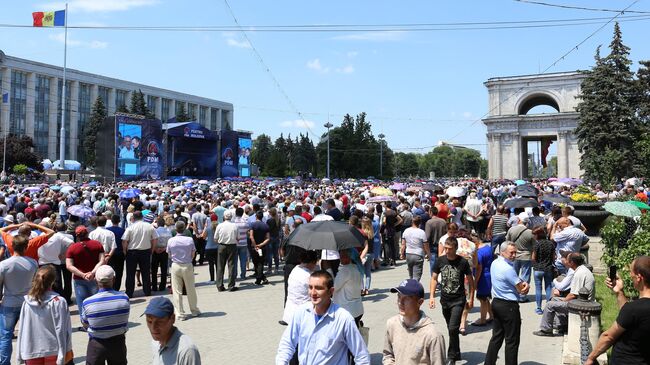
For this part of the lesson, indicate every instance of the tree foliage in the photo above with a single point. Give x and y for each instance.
(181, 114)
(93, 126)
(20, 150)
(609, 127)
(139, 106)
(261, 151)
(443, 161)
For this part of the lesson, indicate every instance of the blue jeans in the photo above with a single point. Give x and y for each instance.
(522, 268)
(8, 318)
(432, 260)
(368, 270)
(242, 256)
(82, 290)
(272, 254)
(547, 276)
(376, 249)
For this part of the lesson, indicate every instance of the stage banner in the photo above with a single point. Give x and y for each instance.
(245, 146)
(138, 148)
(151, 161)
(229, 153)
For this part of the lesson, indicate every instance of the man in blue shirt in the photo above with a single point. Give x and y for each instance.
(322, 331)
(506, 287)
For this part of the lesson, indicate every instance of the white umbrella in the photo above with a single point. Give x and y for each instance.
(558, 183)
(178, 188)
(203, 181)
(456, 191)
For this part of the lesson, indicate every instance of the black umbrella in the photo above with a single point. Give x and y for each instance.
(327, 235)
(521, 203)
(556, 198)
(527, 191)
(432, 187)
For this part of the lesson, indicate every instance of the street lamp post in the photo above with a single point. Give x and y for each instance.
(381, 155)
(328, 125)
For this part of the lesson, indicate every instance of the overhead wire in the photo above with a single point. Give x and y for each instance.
(561, 58)
(563, 6)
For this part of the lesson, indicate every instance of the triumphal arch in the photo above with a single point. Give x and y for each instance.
(513, 121)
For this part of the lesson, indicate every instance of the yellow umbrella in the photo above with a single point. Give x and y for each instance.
(381, 191)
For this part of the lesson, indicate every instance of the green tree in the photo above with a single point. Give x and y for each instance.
(608, 126)
(261, 152)
(97, 117)
(304, 154)
(20, 151)
(277, 163)
(122, 108)
(406, 164)
(139, 106)
(181, 114)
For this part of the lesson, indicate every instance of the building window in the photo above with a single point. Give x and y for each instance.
(203, 115)
(18, 101)
(68, 87)
(42, 115)
(213, 119)
(151, 104)
(226, 123)
(191, 111)
(178, 107)
(166, 103)
(84, 117)
(103, 92)
(120, 98)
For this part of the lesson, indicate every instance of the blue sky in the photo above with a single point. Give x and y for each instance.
(416, 87)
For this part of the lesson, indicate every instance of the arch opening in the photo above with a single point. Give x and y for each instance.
(539, 104)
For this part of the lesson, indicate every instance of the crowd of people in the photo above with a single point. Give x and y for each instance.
(88, 239)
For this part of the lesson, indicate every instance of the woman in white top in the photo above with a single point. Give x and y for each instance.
(298, 285)
(347, 284)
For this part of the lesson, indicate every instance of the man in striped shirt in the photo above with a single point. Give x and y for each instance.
(106, 316)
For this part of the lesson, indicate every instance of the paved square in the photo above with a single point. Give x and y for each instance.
(242, 327)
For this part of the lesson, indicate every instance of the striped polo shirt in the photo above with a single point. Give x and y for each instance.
(106, 314)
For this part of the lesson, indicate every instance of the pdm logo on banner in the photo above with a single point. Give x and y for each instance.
(229, 153)
(151, 160)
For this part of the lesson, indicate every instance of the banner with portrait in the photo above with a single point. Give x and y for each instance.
(138, 148)
(245, 146)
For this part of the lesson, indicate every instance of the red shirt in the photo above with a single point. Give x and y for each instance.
(85, 255)
(443, 210)
(307, 216)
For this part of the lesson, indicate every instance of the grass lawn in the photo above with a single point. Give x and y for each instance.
(607, 299)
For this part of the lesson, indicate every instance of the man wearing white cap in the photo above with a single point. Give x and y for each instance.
(106, 317)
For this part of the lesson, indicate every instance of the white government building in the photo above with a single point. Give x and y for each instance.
(33, 105)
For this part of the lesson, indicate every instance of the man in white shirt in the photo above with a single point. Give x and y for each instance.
(415, 248)
(227, 236)
(138, 242)
(53, 253)
(105, 237)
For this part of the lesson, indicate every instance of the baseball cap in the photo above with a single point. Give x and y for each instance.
(104, 273)
(409, 287)
(159, 307)
(81, 230)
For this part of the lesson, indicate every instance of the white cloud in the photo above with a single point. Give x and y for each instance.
(298, 123)
(467, 114)
(346, 70)
(383, 36)
(352, 54)
(317, 66)
(238, 44)
(98, 6)
(94, 44)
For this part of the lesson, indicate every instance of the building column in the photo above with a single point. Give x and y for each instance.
(53, 130)
(516, 151)
(562, 154)
(219, 119)
(127, 101)
(94, 93)
(208, 118)
(498, 171)
(172, 109)
(110, 105)
(74, 119)
(30, 105)
(5, 107)
(158, 108)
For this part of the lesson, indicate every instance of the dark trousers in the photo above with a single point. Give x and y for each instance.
(452, 313)
(159, 260)
(287, 271)
(67, 284)
(212, 254)
(58, 280)
(226, 255)
(258, 263)
(142, 260)
(330, 264)
(110, 350)
(117, 263)
(506, 324)
(199, 244)
(389, 249)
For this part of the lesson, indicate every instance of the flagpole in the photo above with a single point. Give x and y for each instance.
(63, 93)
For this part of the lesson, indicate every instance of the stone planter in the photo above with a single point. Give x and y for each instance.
(591, 214)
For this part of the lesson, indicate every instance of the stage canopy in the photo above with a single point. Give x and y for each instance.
(190, 130)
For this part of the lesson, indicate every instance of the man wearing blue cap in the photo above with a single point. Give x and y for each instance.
(411, 337)
(170, 345)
